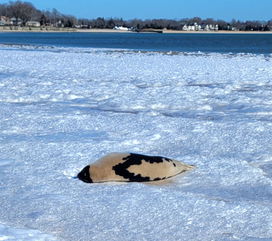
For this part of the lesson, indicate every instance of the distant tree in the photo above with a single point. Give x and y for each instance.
(3, 10)
(21, 10)
(55, 16)
(222, 25)
(120, 22)
(69, 21)
(43, 20)
(196, 20)
(266, 28)
(99, 23)
(36, 15)
(208, 21)
(136, 24)
(110, 23)
(249, 26)
(269, 24)
(86, 23)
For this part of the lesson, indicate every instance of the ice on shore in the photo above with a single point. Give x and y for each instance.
(9, 233)
(62, 108)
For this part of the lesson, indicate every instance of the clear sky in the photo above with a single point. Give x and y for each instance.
(171, 9)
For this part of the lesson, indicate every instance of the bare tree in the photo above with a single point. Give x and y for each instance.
(69, 21)
(3, 10)
(21, 10)
(99, 23)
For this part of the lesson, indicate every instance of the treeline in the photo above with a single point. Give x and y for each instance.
(25, 11)
(177, 24)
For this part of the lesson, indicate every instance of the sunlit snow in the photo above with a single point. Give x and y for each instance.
(62, 108)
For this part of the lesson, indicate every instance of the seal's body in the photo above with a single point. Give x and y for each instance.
(131, 167)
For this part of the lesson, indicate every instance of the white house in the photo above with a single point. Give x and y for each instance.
(14, 21)
(185, 28)
(194, 27)
(33, 24)
(210, 27)
(197, 27)
(121, 28)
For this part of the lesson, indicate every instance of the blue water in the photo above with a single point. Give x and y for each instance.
(222, 43)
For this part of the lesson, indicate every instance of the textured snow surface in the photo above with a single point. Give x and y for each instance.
(9, 233)
(62, 108)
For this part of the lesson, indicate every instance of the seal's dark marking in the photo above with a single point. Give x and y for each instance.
(84, 175)
(157, 179)
(136, 159)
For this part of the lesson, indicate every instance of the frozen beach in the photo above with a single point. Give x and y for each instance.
(63, 108)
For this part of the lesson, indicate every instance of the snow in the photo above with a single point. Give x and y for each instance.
(63, 108)
(9, 233)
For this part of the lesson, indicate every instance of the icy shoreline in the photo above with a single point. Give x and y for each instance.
(62, 108)
(9, 233)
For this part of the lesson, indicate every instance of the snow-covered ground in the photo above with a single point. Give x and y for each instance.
(62, 108)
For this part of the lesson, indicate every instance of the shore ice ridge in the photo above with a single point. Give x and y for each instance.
(61, 110)
(59, 49)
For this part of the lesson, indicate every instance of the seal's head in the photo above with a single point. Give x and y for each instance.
(84, 175)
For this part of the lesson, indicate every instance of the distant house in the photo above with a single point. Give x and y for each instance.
(185, 27)
(121, 28)
(198, 27)
(33, 24)
(194, 27)
(211, 27)
(15, 21)
(59, 24)
(4, 21)
(84, 26)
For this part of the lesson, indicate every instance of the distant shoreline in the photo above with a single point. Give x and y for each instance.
(216, 32)
(74, 30)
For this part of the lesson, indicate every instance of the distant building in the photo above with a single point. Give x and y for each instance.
(84, 26)
(33, 24)
(185, 28)
(4, 21)
(211, 27)
(59, 24)
(15, 21)
(194, 27)
(121, 28)
(198, 27)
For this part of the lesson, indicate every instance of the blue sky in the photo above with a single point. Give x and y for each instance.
(171, 9)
